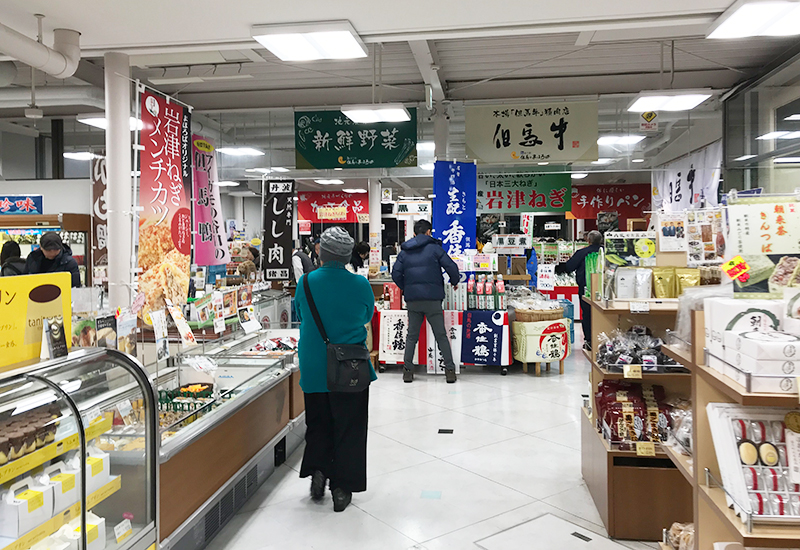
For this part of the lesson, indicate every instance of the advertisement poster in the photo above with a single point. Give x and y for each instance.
(349, 206)
(210, 240)
(452, 325)
(681, 185)
(705, 237)
(482, 339)
(21, 204)
(629, 201)
(517, 134)
(511, 193)
(526, 223)
(219, 312)
(99, 214)
(25, 301)
(126, 332)
(165, 225)
(328, 139)
(393, 332)
(672, 232)
(159, 320)
(187, 336)
(248, 319)
(454, 205)
(278, 219)
(106, 332)
(631, 248)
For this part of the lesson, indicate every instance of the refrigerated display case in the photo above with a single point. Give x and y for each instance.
(58, 480)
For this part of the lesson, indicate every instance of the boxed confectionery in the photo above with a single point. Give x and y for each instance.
(23, 506)
(66, 485)
(97, 468)
(766, 346)
(761, 366)
(759, 382)
(50, 543)
(729, 314)
(95, 532)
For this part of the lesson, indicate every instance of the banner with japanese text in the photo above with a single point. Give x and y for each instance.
(454, 213)
(629, 201)
(482, 337)
(515, 192)
(21, 204)
(99, 213)
(328, 139)
(278, 220)
(332, 207)
(543, 132)
(681, 185)
(210, 244)
(165, 224)
(393, 334)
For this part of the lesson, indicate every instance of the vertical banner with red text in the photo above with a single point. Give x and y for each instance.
(99, 219)
(165, 225)
(210, 244)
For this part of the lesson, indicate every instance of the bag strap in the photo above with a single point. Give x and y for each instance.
(313, 307)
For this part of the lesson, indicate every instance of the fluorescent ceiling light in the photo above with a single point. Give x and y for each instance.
(579, 175)
(604, 161)
(543, 163)
(80, 155)
(747, 18)
(431, 196)
(330, 182)
(99, 121)
(620, 140)
(354, 190)
(637, 160)
(668, 100)
(227, 184)
(258, 170)
(787, 160)
(311, 41)
(279, 169)
(161, 81)
(426, 146)
(791, 135)
(793, 117)
(240, 151)
(338, 169)
(376, 112)
(213, 77)
(744, 157)
(429, 166)
(772, 135)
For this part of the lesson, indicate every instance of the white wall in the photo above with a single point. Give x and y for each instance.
(60, 196)
(252, 216)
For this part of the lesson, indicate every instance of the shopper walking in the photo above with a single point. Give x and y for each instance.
(53, 256)
(11, 262)
(577, 264)
(336, 422)
(360, 253)
(418, 273)
(301, 264)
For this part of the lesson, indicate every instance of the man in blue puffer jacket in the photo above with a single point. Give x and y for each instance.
(418, 273)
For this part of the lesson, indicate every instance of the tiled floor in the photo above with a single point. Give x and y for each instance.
(513, 456)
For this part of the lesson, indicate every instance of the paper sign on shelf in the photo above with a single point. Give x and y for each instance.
(640, 307)
(645, 448)
(123, 530)
(793, 455)
(632, 371)
(546, 274)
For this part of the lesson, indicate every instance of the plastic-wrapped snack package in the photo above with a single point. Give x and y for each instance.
(643, 288)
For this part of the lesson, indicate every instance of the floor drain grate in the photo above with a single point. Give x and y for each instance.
(584, 538)
(445, 431)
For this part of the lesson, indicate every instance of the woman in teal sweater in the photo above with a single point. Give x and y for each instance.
(336, 422)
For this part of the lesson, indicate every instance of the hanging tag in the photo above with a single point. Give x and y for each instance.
(645, 448)
(793, 455)
(632, 371)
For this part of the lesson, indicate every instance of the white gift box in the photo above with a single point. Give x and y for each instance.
(729, 314)
(24, 506)
(50, 543)
(766, 345)
(66, 485)
(761, 366)
(98, 470)
(95, 532)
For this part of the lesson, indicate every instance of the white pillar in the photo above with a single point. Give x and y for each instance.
(580, 228)
(441, 131)
(375, 241)
(120, 187)
(238, 213)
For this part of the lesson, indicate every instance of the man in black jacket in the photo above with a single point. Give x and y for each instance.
(53, 256)
(418, 273)
(577, 264)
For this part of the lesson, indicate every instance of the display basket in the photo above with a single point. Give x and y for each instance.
(535, 315)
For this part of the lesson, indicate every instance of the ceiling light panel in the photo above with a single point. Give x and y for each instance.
(240, 151)
(668, 100)
(376, 112)
(311, 41)
(746, 18)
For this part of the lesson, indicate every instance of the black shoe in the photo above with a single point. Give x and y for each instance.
(450, 374)
(341, 499)
(587, 346)
(408, 376)
(318, 482)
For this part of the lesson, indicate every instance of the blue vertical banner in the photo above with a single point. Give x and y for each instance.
(454, 206)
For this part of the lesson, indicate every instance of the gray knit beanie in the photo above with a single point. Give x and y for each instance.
(336, 245)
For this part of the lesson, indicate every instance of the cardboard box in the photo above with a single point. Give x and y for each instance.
(66, 486)
(519, 266)
(729, 314)
(771, 345)
(24, 506)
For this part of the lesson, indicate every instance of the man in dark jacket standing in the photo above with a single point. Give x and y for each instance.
(418, 273)
(53, 256)
(577, 264)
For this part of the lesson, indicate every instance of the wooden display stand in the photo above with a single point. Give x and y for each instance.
(713, 520)
(637, 496)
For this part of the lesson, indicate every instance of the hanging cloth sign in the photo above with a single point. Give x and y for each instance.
(210, 245)
(454, 205)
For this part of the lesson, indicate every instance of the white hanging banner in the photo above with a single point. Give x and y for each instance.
(680, 185)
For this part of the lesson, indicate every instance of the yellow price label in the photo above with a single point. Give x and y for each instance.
(35, 499)
(96, 464)
(632, 371)
(645, 448)
(67, 482)
(735, 268)
(92, 532)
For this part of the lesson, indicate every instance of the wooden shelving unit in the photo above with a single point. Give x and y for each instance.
(684, 463)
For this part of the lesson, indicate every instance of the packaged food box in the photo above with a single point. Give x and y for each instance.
(729, 314)
(95, 532)
(24, 506)
(66, 485)
(761, 366)
(765, 345)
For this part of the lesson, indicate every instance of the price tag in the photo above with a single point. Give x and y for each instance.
(138, 303)
(93, 416)
(123, 530)
(126, 411)
(736, 268)
(546, 275)
(793, 455)
(632, 371)
(640, 307)
(645, 448)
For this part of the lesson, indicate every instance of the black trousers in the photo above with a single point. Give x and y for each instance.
(336, 438)
(586, 321)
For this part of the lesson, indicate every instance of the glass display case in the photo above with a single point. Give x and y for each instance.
(63, 486)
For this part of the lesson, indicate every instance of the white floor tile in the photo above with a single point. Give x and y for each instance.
(578, 502)
(387, 407)
(295, 460)
(547, 531)
(523, 413)
(282, 486)
(423, 434)
(435, 498)
(435, 390)
(528, 464)
(386, 455)
(568, 435)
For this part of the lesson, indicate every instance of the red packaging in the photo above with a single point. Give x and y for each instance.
(395, 295)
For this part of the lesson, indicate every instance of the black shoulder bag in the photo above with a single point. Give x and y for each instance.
(348, 364)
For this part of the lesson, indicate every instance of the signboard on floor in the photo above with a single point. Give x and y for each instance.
(531, 133)
(516, 192)
(328, 139)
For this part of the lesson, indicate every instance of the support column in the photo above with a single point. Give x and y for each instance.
(238, 213)
(375, 233)
(57, 147)
(40, 157)
(441, 132)
(120, 187)
(579, 228)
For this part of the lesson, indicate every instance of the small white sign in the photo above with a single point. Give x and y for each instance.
(552, 226)
(546, 276)
(793, 455)
(501, 224)
(412, 208)
(123, 530)
(648, 126)
(386, 195)
(640, 307)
